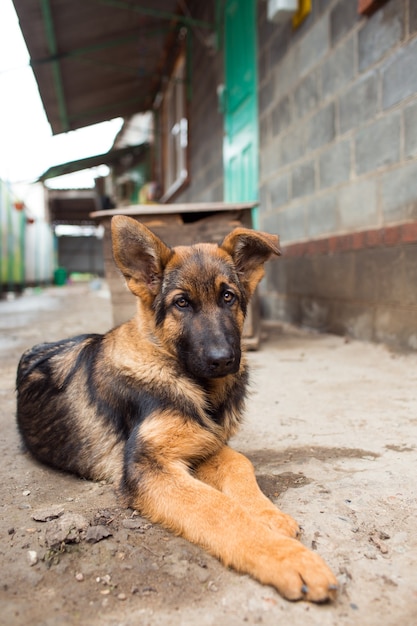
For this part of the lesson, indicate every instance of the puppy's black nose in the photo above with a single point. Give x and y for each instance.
(220, 360)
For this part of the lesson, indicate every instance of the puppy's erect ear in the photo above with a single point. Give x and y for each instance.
(249, 250)
(140, 255)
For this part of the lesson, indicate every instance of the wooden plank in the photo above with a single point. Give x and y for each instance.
(136, 210)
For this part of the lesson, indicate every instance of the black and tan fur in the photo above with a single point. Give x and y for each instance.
(152, 404)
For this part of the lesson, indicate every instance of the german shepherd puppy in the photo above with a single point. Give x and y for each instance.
(151, 404)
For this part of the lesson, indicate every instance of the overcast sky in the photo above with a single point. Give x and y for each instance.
(27, 147)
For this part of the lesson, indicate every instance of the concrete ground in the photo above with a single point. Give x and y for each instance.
(332, 430)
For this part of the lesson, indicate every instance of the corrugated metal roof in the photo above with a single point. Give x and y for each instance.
(113, 157)
(95, 60)
(72, 206)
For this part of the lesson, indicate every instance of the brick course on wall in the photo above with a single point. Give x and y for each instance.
(374, 238)
(338, 168)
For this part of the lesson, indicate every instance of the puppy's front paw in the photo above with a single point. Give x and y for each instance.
(300, 574)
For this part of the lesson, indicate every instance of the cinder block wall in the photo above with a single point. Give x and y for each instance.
(338, 169)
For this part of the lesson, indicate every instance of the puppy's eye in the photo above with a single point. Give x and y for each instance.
(229, 297)
(181, 303)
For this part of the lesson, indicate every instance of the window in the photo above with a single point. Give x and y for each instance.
(174, 133)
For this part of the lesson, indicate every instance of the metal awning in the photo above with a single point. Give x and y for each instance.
(122, 156)
(95, 60)
(72, 206)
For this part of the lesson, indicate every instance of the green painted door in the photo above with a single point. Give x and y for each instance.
(240, 148)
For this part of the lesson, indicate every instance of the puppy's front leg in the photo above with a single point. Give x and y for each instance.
(169, 495)
(158, 483)
(233, 474)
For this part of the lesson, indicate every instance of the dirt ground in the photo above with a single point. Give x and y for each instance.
(332, 430)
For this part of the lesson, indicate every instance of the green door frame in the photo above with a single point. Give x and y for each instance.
(241, 140)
